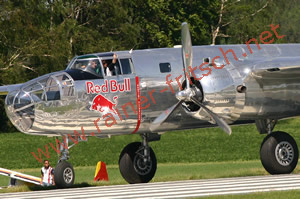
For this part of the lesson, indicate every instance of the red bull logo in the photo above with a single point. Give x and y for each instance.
(109, 86)
(102, 104)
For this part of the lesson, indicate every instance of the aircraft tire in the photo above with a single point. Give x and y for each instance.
(132, 167)
(279, 153)
(64, 175)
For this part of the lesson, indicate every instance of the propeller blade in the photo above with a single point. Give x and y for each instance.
(220, 122)
(163, 116)
(187, 54)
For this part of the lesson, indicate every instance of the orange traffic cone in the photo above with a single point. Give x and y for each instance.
(101, 172)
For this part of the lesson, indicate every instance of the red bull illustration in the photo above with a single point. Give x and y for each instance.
(102, 104)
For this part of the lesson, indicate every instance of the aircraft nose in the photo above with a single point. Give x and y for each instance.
(19, 106)
(25, 104)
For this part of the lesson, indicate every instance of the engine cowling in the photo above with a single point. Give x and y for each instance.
(219, 94)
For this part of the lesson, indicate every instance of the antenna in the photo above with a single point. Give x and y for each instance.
(131, 50)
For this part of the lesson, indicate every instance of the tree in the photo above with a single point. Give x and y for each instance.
(237, 16)
(41, 36)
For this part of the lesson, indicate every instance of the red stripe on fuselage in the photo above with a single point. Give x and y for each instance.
(138, 104)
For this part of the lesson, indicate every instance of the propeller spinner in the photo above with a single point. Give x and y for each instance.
(189, 94)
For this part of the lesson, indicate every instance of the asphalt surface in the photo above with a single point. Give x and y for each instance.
(176, 189)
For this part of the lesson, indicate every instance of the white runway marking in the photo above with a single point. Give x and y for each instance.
(177, 189)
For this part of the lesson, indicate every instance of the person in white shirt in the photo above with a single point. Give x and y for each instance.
(47, 174)
(109, 68)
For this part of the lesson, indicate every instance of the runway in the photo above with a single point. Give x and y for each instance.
(176, 189)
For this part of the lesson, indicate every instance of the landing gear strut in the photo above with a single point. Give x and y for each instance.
(137, 162)
(64, 174)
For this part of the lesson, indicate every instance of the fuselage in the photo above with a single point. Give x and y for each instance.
(109, 105)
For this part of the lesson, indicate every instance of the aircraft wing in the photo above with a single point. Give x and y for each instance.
(280, 87)
(6, 89)
(280, 73)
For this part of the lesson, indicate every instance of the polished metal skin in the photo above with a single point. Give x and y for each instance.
(57, 103)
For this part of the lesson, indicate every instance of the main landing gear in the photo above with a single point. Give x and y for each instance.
(279, 151)
(137, 161)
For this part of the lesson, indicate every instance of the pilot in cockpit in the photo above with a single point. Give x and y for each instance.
(94, 66)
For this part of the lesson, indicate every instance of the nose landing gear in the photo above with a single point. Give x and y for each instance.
(64, 174)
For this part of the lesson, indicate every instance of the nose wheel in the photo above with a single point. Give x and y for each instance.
(279, 153)
(64, 175)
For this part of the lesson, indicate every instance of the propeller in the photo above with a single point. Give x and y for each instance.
(189, 94)
(163, 116)
(187, 54)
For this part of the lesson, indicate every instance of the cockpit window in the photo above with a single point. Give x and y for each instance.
(110, 68)
(94, 67)
(126, 66)
(88, 64)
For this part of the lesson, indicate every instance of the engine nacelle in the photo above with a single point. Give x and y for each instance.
(220, 94)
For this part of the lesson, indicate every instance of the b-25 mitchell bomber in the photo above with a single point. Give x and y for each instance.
(152, 91)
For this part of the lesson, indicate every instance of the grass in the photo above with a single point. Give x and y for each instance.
(197, 145)
(165, 172)
(182, 155)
